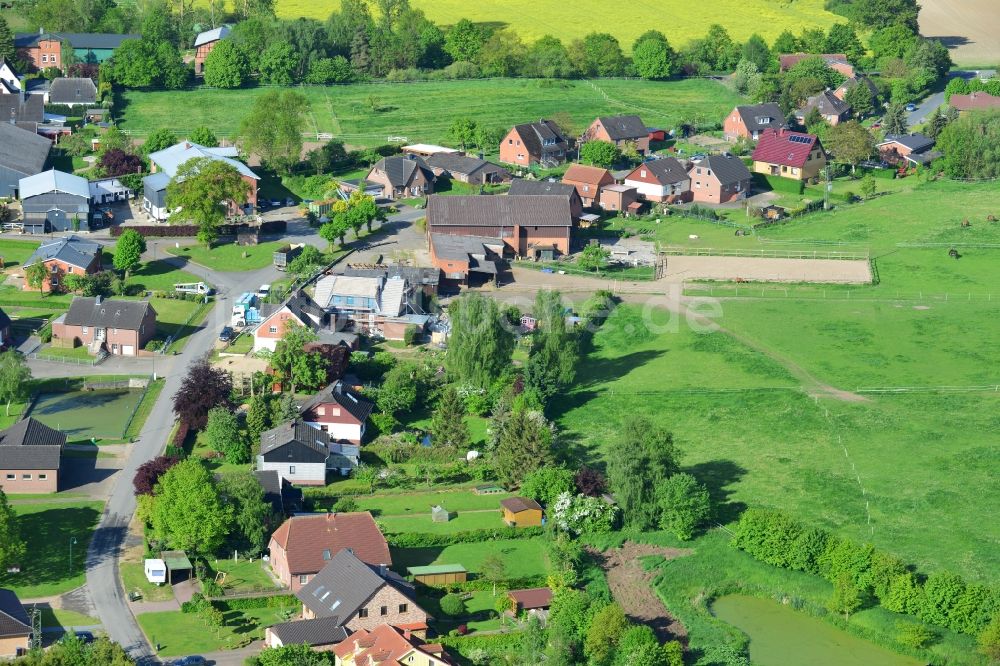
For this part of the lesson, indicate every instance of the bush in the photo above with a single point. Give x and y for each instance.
(452, 604)
(410, 335)
(917, 636)
(45, 333)
(196, 604)
(427, 540)
(345, 505)
(275, 601)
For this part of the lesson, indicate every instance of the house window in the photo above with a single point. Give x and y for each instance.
(85, 329)
(272, 329)
(45, 58)
(363, 613)
(586, 188)
(698, 171)
(291, 469)
(350, 300)
(11, 477)
(383, 611)
(403, 608)
(303, 579)
(795, 171)
(642, 173)
(43, 477)
(321, 410)
(510, 142)
(55, 269)
(26, 477)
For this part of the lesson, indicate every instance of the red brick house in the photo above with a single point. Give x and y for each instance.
(913, 148)
(664, 180)
(303, 545)
(835, 61)
(749, 120)
(621, 198)
(15, 626)
(619, 130)
(203, 45)
(468, 259)
(529, 225)
(588, 181)
(121, 328)
(30, 456)
(975, 101)
(789, 154)
(719, 179)
(299, 310)
(401, 177)
(386, 645)
(534, 143)
(62, 257)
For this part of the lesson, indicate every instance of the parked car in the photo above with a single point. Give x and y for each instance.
(264, 291)
(911, 107)
(193, 660)
(227, 334)
(276, 203)
(289, 201)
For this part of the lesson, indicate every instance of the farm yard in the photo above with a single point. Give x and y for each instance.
(531, 20)
(424, 111)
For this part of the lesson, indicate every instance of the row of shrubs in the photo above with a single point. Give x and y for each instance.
(428, 540)
(942, 598)
(184, 230)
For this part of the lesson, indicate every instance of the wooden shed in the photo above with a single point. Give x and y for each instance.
(439, 574)
(521, 512)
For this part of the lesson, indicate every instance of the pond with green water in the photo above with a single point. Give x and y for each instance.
(782, 636)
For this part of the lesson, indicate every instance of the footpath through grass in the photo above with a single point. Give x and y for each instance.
(345, 111)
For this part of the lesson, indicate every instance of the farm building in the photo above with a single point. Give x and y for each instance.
(438, 574)
(521, 512)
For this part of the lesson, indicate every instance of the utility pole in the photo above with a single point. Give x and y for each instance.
(72, 541)
(829, 187)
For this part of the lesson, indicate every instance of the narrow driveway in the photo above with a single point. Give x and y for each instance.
(926, 107)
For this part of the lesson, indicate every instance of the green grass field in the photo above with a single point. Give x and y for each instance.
(134, 580)
(425, 111)
(523, 557)
(159, 276)
(420, 503)
(15, 252)
(230, 257)
(47, 530)
(532, 20)
(61, 618)
(463, 520)
(180, 633)
(244, 574)
(85, 414)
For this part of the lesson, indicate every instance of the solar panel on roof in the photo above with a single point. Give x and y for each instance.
(800, 139)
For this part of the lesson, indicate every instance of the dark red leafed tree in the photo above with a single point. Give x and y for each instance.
(150, 472)
(590, 482)
(203, 388)
(116, 162)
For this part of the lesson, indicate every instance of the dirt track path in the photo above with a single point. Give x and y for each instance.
(632, 588)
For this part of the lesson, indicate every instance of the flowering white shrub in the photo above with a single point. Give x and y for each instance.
(578, 514)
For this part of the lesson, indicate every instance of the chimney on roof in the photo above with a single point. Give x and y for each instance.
(41, 31)
(381, 570)
(330, 515)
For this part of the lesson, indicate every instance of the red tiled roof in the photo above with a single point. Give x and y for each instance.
(305, 538)
(537, 597)
(580, 173)
(384, 644)
(784, 147)
(975, 100)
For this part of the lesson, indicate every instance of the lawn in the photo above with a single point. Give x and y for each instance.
(230, 257)
(158, 276)
(464, 520)
(81, 353)
(134, 580)
(11, 295)
(244, 574)
(480, 611)
(213, 461)
(66, 619)
(419, 503)
(180, 633)
(344, 112)
(47, 530)
(531, 20)
(179, 319)
(81, 415)
(523, 557)
(15, 252)
(241, 345)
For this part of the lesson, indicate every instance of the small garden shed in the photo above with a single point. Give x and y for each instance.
(177, 563)
(438, 574)
(439, 514)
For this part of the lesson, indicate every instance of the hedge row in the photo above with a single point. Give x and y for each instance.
(426, 540)
(246, 603)
(941, 598)
(186, 230)
(778, 184)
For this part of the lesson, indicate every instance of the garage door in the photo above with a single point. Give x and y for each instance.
(128, 350)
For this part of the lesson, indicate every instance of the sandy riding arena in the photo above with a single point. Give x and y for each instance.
(969, 28)
(754, 269)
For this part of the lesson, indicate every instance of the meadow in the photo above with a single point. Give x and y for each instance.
(424, 111)
(533, 19)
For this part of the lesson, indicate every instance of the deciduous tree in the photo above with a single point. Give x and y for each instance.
(554, 351)
(846, 597)
(223, 434)
(606, 629)
(203, 136)
(593, 258)
(203, 189)
(226, 65)
(481, 341)
(128, 251)
(158, 139)
(148, 474)
(273, 128)
(598, 54)
(463, 132)
(291, 361)
(600, 153)
(652, 56)
(117, 162)
(35, 275)
(850, 142)
(684, 505)
(14, 376)
(546, 484)
(188, 512)
(12, 548)
(969, 145)
(203, 388)
(645, 458)
(291, 655)
(252, 514)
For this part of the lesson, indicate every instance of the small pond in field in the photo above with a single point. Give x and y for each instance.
(782, 636)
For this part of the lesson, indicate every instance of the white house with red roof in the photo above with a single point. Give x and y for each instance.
(338, 411)
(789, 154)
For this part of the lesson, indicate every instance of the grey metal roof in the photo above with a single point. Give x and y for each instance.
(915, 142)
(31, 109)
(79, 40)
(14, 620)
(30, 444)
(73, 91)
(72, 250)
(400, 170)
(620, 128)
(462, 164)
(341, 587)
(157, 181)
(212, 35)
(520, 186)
(667, 170)
(282, 495)
(497, 211)
(295, 432)
(462, 248)
(827, 103)
(54, 181)
(110, 313)
(170, 159)
(21, 150)
(358, 406)
(726, 168)
(319, 631)
(760, 116)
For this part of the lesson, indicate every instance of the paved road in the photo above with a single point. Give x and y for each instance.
(105, 548)
(926, 107)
